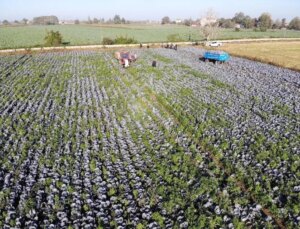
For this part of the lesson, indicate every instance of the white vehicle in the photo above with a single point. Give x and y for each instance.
(215, 44)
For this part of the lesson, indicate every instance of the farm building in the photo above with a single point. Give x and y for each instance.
(67, 22)
(45, 20)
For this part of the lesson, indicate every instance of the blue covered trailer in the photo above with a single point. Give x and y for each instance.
(217, 56)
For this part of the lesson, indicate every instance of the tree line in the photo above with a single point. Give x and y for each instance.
(53, 20)
(263, 22)
(240, 20)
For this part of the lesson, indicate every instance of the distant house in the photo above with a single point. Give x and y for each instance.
(207, 21)
(67, 22)
(237, 26)
(149, 22)
(154, 22)
(178, 21)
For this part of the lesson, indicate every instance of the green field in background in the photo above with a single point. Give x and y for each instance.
(31, 36)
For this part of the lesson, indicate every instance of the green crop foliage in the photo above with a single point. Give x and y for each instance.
(143, 136)
(158, 218)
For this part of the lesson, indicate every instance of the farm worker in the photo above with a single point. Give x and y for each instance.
(126, 63)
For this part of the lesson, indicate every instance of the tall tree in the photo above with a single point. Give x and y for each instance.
(248, 22)
(295, 23)
(165, 20)
(95, 21)
(265, 21)
(226, 23)
(239, 18)
(211, 27)
(188, 22)
(5, 22)
(117, 19)
(24, 21)
(244, 20)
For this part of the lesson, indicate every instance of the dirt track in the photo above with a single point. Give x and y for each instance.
(45, 49)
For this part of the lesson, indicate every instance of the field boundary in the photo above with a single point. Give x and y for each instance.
(261, 60)
(79, 47)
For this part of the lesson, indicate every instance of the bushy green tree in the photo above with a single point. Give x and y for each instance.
(295, 23)
(226, 23)
(117, 19)
(265, 22)
(244, 20)
(238, 18)
(187, 22)
(5, 22)
(95, 21)
(165, 20)
(53, 38)
(248, 22)
(24, 21)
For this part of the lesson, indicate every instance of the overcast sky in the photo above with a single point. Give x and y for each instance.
(145, 9)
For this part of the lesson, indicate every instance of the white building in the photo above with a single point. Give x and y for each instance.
(67, 22)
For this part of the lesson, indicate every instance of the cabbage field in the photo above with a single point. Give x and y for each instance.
(85, 143)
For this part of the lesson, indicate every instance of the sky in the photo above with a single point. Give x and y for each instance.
(145, 9)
